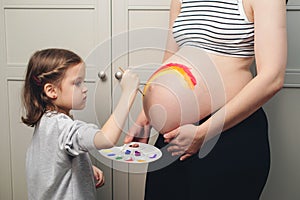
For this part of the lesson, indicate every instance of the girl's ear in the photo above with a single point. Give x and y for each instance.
(50, 90)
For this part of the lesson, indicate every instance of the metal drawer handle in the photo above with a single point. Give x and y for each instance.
(118, 75)
(102, 75)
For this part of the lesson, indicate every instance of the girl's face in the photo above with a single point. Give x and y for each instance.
(73, 92)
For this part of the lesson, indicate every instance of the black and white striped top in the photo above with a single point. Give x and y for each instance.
(218, 26)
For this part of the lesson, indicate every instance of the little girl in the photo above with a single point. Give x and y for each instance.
(57, 161)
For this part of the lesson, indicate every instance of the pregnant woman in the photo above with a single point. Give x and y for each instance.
(206, 78)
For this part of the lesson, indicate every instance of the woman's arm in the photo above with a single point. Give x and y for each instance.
(171, 46)
(271, 57)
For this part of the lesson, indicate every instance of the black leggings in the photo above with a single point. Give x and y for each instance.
(235, 169)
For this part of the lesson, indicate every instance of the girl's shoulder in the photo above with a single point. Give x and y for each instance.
(55, 119)
(56, 115)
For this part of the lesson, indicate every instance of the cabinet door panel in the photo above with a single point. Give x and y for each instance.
(138, 42)
(28, 30)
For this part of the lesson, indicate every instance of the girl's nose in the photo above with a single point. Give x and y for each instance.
(84, 89)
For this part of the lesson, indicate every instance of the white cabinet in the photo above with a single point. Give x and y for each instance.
(293, 3)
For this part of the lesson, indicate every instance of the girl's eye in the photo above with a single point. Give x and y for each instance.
(78, 83)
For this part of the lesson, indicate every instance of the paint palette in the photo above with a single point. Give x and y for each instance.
(134, 152)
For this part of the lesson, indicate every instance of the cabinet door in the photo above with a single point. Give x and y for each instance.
(27, 26)
(139, 31)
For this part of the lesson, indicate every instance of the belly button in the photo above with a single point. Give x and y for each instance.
(151, 88)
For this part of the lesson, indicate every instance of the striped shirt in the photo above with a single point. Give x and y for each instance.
(217, 26)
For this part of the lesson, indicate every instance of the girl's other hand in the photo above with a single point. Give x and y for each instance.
(99, 177)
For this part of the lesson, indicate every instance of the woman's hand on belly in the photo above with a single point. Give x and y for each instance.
(140, 131)
(185, 141)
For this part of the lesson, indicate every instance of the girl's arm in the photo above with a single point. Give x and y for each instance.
(271, 58)
(112, 129)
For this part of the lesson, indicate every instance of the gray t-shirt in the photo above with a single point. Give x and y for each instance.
(57, 163)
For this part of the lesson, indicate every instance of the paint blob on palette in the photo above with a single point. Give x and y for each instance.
(134, 152)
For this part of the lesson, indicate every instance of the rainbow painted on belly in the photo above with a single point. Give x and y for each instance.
(174, 68)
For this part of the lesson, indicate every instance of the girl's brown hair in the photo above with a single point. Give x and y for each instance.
(44, 66)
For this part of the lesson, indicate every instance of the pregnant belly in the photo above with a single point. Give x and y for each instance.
(191, 86)
(175, 95)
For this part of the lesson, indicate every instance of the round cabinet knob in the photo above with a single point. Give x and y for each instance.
(118, 75)
(102, 75)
